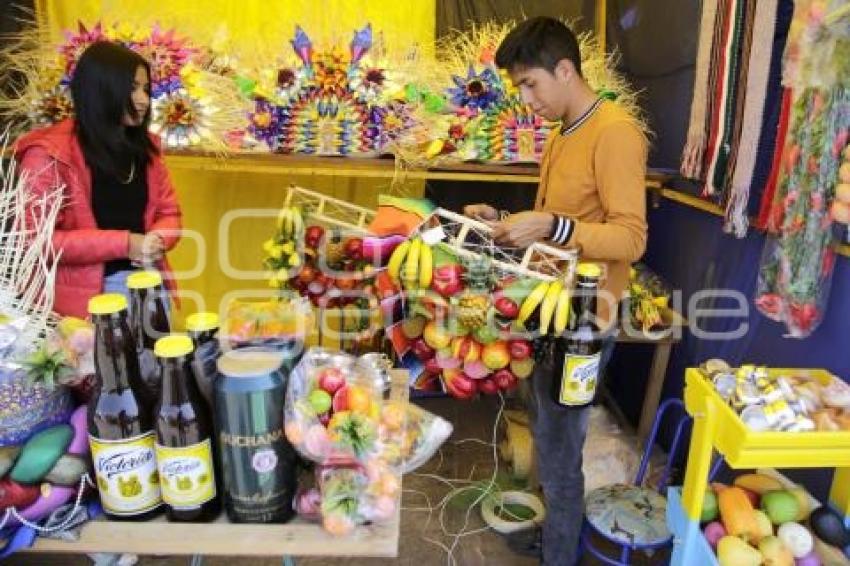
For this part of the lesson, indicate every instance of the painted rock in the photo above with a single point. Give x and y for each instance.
(40, 454)
(8, 455)
(67, 470)
(15, 495)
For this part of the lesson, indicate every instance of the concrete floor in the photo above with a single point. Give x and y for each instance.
(468, 459)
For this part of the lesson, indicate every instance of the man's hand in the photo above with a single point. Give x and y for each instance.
(146, 248)
(523, 229)
(481, 212)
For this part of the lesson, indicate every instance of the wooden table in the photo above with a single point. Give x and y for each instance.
(223, 538)
(663, 343)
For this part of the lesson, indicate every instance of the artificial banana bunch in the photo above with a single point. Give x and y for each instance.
(530, 304)
(547, 306)
(290, 223)
(426, 266)
(562, 312)
(397, 260)
(410, 273)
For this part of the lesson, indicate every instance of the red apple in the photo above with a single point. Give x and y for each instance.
(313, 235)
(340, 402)
(488, 386)
(331, 380)
(505, 379)
(325, 418)
(447, 280)
(519, 349)
(506, 307)
(353, 248)
(421, 349)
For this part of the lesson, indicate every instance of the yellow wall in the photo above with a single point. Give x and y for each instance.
(253, 26)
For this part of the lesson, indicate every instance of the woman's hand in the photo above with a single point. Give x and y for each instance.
(523, 228)
(145, 248)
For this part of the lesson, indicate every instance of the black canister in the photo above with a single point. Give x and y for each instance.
(258, 463)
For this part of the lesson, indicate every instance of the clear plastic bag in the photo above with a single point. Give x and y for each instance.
(409, 435)
(332, 411)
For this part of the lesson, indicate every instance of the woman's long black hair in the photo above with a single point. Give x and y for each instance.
(101, 88)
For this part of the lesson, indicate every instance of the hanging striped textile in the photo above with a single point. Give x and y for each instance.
(745, 148)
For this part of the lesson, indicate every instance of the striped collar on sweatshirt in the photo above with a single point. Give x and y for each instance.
(565, 129)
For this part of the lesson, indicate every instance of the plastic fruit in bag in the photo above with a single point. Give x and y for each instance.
(338, 524)
(331, 380)
(488, 386)
(436, 336)
(520, 349)
(320, 400)
(522, 369)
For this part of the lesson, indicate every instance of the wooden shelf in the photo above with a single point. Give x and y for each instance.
(366, 167)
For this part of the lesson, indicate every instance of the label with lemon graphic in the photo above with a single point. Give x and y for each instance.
(127, 478)
(578, 382)
(186, 474)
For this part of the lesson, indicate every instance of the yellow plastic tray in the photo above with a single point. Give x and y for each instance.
(744, 448)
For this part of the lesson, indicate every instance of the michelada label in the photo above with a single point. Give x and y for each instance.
(186, 474)
(127, 478)
(578, 381)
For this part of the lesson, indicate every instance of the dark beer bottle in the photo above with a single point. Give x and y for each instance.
(121, 435)
(149, 322)
(582, 347)
(183, 437)
(202, 327)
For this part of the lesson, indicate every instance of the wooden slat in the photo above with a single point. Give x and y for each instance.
(222, 538)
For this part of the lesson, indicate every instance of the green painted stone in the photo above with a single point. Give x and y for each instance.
(8, 455)
(40, 454)
(67, 471)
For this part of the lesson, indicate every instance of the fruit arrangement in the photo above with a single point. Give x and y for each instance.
(840, 209)
(332, 412)
(648, 296)
(249, 322)
(466, 326)
(758, 520)
(471, 310)
(793, 402)
(347, 496)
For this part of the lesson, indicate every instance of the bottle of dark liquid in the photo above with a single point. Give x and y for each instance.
(203, 329)
(121, 434)
(149, 322)
(582, 347)
(183, 437)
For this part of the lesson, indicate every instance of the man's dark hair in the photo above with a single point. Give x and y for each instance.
(538, 42)
(101, 88)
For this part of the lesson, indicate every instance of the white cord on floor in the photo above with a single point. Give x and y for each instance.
(456, 490)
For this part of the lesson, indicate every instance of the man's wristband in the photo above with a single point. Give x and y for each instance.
(562, 230)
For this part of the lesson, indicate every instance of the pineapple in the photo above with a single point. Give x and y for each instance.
(474, 303)
(353, 430)
(334, 249)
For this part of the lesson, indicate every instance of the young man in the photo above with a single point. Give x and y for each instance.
(591, 198)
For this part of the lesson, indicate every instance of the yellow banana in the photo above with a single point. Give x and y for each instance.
(530, 303)
(297, 223)
(282, 219)
(411, 266)
(396, 259)
(562, 311)
(426, 265)
(547, 307)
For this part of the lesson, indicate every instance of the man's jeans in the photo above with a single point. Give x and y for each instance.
(559, 434)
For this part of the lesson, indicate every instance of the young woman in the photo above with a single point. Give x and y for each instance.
(120, 210)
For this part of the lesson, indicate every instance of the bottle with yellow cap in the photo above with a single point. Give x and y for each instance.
(120, 425)
(203, 329)
(184, 450)
(581, 347)
(148, 321)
